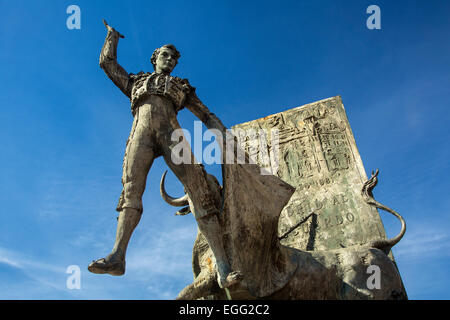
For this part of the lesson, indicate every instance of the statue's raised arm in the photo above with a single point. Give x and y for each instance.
(108, 61)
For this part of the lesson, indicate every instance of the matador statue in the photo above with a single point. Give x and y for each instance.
(156, 98)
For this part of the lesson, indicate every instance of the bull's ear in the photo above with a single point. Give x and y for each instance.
(184, 211)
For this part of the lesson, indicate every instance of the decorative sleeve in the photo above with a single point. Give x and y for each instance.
(202, 112)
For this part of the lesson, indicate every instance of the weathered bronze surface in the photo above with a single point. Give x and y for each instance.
(304, 227)
(156, 97)
(327, 236)
(318, 156)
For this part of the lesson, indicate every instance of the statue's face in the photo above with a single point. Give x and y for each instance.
(166, 61)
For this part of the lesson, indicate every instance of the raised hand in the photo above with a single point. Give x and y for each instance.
(112, 29)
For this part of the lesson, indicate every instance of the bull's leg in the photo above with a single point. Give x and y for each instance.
(138, 159)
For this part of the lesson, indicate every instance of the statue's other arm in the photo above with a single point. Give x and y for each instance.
(202, 112)
(108, 61)
(211, 121)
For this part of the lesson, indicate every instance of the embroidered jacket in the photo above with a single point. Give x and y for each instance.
(173, 88)
(137, 86)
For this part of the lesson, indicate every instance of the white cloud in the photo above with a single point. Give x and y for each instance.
(167, 252)
(49, 277)
(161, 260)
(423, 244)
(9, 262)
(26, 263)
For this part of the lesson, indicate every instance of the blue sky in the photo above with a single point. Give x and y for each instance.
(64, 126)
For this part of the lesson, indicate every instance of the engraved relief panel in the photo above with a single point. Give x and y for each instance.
(317, 154)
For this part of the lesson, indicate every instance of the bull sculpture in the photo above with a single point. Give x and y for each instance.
(333, 274)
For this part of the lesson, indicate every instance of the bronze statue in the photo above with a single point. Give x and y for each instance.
(238, 220)
(155, 100)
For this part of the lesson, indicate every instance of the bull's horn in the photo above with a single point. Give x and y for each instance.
(183, 201)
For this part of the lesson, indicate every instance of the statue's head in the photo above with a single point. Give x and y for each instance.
(165, 59)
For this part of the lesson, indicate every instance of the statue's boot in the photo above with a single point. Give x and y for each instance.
(211, 229)
(228, 279)
(114, 263)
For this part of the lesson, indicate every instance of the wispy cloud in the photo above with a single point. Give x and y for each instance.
(424, 244)
(9, 262)
(26, 263)
(165, 254)
(48, 276)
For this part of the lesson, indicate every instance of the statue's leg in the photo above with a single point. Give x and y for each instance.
(138, 159)
(210, 227)
(206, 209)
